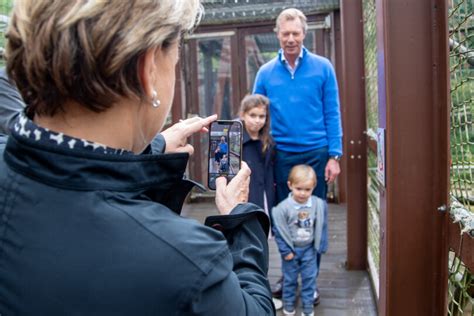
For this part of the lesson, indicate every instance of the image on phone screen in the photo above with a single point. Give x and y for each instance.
(225, 150)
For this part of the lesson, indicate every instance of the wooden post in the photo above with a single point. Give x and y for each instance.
(412, 44)
(355, 153)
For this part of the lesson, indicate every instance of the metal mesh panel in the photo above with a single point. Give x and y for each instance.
(370, 58)
(373, 233)
(461, 40)
(462, 87)
(371, 94)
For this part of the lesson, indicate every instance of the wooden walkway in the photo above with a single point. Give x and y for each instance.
(343, 293)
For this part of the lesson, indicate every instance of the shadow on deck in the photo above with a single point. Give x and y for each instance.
(343, 293)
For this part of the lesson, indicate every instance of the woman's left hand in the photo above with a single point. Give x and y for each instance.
(176, 136)
(229, 195)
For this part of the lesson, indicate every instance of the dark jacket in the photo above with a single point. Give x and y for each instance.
(92, 234)
(261, 166)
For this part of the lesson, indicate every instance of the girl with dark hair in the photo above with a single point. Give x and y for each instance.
(258, 149)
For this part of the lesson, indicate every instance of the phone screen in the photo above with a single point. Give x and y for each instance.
(225, 150)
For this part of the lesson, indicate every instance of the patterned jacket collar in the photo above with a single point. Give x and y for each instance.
(158, 176)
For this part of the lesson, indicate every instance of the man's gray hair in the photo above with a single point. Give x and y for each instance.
(290, 15)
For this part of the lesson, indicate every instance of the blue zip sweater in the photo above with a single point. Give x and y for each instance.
(304, 108)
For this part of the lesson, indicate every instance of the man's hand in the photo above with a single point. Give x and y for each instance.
(176, 136)
(332, 170)
(289, 256)
(228, 195)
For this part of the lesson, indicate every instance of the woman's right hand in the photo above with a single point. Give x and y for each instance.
(176, 137)
(229, 195)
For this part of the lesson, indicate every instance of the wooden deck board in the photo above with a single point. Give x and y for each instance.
(343, 293)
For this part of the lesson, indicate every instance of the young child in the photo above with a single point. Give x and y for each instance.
(299, 225)
(224, 164)
(257, 150)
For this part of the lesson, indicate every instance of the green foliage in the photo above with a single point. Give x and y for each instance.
(5, 8)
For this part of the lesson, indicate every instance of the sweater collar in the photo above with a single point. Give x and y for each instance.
(296, 205)
(282, 57)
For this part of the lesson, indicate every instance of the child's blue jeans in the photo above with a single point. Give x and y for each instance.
(303, 263)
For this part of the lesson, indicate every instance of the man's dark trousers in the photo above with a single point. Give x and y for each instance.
(284, 161)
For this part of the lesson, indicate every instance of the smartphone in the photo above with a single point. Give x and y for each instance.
(225, 150)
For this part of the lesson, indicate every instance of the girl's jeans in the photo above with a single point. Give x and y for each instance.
(303, 263)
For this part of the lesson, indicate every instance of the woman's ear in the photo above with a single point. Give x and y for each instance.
(146, 69)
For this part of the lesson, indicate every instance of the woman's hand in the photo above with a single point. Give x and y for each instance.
(233, 193)
(176, 136)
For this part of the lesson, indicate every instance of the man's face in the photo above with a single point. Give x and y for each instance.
(291, 36)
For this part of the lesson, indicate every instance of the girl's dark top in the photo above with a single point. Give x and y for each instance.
(261, 164)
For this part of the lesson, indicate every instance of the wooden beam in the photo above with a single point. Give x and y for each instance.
(412, 47)
(355, 152)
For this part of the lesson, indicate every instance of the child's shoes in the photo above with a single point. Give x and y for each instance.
(307, 310)
(288, 310)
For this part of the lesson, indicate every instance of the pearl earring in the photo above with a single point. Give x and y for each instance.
(154, 99)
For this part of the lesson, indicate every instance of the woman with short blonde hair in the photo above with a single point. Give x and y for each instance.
(92, 193)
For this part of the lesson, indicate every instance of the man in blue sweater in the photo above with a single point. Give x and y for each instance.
(304, 107)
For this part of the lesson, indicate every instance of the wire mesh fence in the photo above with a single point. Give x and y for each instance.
(371, 96)
(373, 232)
(461, 283)
(461, 41)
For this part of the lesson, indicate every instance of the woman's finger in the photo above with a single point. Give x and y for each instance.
(244, 191)
(190, 120)
(244, 173)
(221, 185)
(198, 123)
